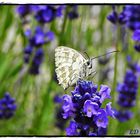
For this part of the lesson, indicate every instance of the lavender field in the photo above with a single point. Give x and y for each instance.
(70, 70)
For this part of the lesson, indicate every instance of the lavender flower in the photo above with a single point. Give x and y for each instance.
(115, 17)
(60, 121)
(133, 65)
(109, 110)
(60, 9)
(132, 16)
(36, 41)
(129, 16)
(39, 37)
(67, 106)
(90, 108)
(7, 106)
(127, 92)
(73, 12)
(136, 35)
(27, 53)
(102, 131)
(123, 115)
(136, 38)
(57, 99)
(36, 62)
(72, 129)
(101, 119)
(24, 10)
(137, 48)
(48, 13)
(132, 21)
(104, 93)
(84, 109)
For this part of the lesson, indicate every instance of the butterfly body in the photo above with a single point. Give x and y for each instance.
(71, 66)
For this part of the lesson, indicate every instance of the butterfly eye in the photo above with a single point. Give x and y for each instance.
(88, 63)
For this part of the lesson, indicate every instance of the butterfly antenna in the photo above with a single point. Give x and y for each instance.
(105, 54)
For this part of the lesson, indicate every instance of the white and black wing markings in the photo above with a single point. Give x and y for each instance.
(68, 64)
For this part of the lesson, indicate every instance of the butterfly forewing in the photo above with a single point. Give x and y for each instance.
(68, 64)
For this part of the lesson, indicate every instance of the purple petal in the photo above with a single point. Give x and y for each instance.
(90, 108)
(109, 110)
(104, 92)
(101, 119)
(50, 36)
(72, 129)
(136, 35)
(28, 33)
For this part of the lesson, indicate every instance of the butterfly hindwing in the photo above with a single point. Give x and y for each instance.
(68, 64)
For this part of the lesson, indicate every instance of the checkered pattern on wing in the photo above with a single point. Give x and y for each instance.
(68, 64)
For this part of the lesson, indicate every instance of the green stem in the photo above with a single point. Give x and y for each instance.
(38, 120)
(115, 66)
(63, 27)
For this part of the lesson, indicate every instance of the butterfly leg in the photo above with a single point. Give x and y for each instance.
(92, 74)
(74, 79)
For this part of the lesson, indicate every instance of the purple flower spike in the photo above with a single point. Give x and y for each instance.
(24, 10)
(7, 106)
(36, 62)
(40, 37)
(90, 108)
(113, 17)
(101, 119)
(127, 92)
(73, 13)
(84, 107)
(60, 10)
(131, 13)
(109, 110)
(123, 116)
(104, 93)
(45, 14)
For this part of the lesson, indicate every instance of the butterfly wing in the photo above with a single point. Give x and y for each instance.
(68, 64)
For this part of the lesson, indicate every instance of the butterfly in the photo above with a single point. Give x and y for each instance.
(71, 66)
